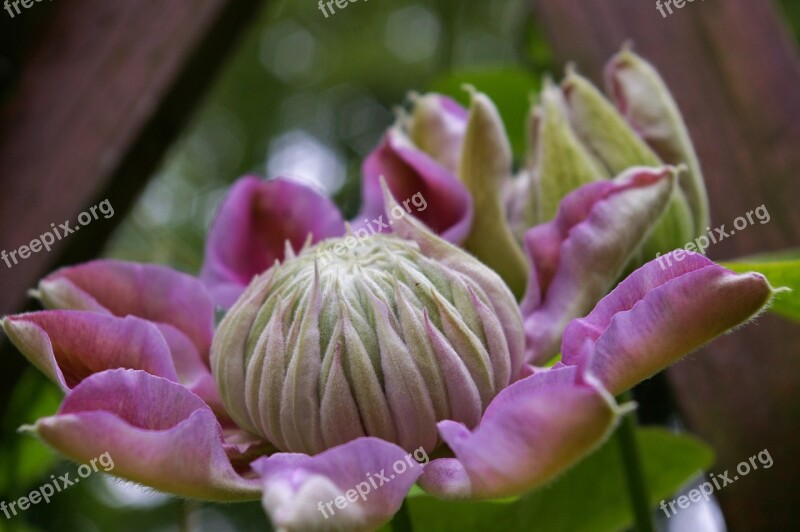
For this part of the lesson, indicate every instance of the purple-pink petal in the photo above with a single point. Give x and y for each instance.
(356, 486)
(69, 345)
(532, 431)
(156, 293)
(447, 206)
(577, 257)
(156, 432)
(252, 227)
(662, 311)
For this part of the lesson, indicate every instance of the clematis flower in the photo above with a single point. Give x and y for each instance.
(355, 362)
(320, 376)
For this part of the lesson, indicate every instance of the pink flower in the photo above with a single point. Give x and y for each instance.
(130, 347)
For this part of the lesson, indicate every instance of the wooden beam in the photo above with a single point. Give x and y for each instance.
(735, 71)
(105, 90)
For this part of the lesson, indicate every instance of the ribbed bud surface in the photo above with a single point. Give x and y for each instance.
(375, 340)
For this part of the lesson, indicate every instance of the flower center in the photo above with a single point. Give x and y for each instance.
(359, 337)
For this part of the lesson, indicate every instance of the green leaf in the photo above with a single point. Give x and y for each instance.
(782, 270)
(26, 459)
(509, 88)
(591, 496)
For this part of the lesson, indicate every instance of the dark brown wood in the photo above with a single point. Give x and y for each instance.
(735, 71)
(105, 90)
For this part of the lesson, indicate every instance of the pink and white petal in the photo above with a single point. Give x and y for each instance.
(156, 293)
(251, 229)
(70, 345)
(659, 314)
(577, 257)
(533, 430)
(155, 432)
(301, 491)
(424, 187)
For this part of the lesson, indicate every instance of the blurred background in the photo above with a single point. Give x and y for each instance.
(163, 121)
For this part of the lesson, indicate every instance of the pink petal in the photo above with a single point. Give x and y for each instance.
(662, 311)
(152, 292)
(69, 345)
(532, 431)
(192, 368)
(252, 227)
(155, 431)
(424, 188)
(577, 257)
(301, 491)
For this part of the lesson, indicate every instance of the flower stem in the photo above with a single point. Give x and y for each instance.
(634, 474)
(402, 519)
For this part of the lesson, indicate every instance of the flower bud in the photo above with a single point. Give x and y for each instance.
(559, 162)
(436, 126)
(605, 131)
(602, 128)
(485, 170)
(365, 337)
(646, 103)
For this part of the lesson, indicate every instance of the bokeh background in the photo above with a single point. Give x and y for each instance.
(305, 96)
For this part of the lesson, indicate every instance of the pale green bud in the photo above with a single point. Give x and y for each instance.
(605, 131)
(644, 100)
(366, 336)
(559, 162)
(485, 170)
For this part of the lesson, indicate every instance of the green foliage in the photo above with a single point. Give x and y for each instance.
(23, 460)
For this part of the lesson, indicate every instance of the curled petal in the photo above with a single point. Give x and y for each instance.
(355, 486)
(152, 292)
(192, 368)
(69, 346)
(419, 181)
(661, 312)
(155, 432)
(252, 227)
(578, 256)
(532, 431)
